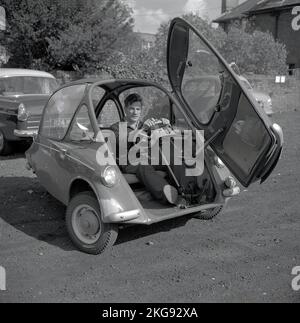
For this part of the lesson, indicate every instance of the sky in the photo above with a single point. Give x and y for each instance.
(149, 14)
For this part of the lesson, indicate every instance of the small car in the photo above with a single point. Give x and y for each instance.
(23, 95)
(240, 141)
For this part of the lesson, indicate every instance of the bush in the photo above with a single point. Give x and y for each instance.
(256, 52)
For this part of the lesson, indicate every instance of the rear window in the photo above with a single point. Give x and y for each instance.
(19, 85)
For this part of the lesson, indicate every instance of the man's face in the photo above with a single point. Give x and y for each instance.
(133, 112)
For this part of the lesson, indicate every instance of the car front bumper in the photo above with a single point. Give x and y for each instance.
(25, 133)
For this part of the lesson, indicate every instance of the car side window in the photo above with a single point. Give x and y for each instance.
(81, 121)
(109, 115)
(60, 111)
(97, 95)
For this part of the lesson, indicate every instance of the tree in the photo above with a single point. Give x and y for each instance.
(104, 29)
(255, 52)
(66, 34)
(215, 35)
(252, 50)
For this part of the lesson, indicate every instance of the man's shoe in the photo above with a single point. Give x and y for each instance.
(171, 194)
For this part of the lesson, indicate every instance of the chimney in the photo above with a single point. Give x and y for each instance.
(228, 5)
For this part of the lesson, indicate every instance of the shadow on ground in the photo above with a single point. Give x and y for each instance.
(18, 152)
(25, 205)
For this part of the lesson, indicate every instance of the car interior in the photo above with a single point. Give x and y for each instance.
(109, 110)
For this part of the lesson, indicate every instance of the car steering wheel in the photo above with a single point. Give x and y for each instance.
(159, 124)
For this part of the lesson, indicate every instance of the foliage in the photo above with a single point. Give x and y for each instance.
(104, 29)
(252, 50)
(215, 35)
(255, 52)
(92, 36)
(67, 34)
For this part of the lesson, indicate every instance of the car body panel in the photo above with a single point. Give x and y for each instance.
(60, 163)
(245, 136)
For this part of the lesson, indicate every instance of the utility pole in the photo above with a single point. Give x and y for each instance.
(2, 29)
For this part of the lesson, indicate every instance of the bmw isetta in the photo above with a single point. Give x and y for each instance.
(239, 140)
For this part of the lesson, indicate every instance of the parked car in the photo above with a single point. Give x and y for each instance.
(65, 155)
(23, 95)
(262, 98)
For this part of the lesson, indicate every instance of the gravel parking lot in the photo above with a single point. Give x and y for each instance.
(246, 254)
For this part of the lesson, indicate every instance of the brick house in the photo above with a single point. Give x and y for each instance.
(280, 17)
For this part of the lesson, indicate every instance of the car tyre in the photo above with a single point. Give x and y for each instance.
(84, 224)
(209, 214)
(5, 146)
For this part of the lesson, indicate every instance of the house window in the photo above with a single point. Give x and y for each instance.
(292, 68)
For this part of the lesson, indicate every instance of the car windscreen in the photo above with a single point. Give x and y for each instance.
(27, 85)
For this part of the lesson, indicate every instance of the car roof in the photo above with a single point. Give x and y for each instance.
(7, 72)
(113, 84)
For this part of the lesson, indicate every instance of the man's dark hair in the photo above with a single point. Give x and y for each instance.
(134, 97)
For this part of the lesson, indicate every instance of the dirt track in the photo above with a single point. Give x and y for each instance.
(246, 254)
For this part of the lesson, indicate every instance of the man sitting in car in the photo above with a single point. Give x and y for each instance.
(148, 175)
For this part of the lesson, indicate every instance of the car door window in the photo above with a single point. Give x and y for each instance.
(97, 95)
(109, 115)
(60, 111)
(81, 120)
(201, 84)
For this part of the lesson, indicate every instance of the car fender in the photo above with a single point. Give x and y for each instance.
(112, 200)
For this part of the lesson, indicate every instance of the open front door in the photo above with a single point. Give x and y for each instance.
(238, 130)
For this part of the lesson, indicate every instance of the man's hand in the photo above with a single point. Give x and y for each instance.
(166, 122)
(150, 123)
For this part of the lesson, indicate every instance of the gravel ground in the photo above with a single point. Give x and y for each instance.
(246, 254)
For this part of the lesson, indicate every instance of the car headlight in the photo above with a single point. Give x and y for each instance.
(22, 113)
(218, 162)
(109, 176)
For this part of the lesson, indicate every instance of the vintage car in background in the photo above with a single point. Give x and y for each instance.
(240, 140)
(23, 95)
(262, 98)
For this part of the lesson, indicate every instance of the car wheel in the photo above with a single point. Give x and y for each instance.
(5, 146)
(209, 214)
(85, 227)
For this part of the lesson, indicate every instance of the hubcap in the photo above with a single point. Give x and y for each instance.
(1, 141)
(86, 224)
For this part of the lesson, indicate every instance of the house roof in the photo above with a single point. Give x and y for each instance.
(255, 6)
(238, 12)
(273, 4)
